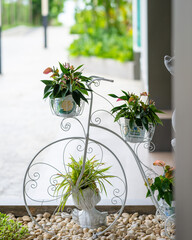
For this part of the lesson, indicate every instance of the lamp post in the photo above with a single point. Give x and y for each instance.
(0, 32)
(44, 13)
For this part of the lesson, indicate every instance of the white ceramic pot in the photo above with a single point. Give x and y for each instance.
(88, 216)
(66, 107)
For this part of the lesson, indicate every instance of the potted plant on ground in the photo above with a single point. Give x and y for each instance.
(164, 186)
(86, 194)
(66, 90)
(139, 114)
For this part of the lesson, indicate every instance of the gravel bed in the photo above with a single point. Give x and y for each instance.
(127, 227)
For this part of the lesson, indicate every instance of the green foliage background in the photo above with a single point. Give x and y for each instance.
(29, 12)
(105, 30)
(55, 7)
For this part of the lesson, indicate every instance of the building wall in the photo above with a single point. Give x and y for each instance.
(182, 96)
(159, 45)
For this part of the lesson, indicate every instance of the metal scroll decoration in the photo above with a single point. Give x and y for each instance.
(40, 180)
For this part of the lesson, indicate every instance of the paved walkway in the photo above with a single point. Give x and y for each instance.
(26, 124)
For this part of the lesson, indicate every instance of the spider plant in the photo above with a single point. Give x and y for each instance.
(93, 177)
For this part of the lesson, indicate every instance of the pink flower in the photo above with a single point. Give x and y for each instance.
(159, 163)
(65, 76)
(119, 99)
(67, 65)
(48, 70)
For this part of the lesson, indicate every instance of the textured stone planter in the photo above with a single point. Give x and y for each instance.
(88, 217)
(101, 66)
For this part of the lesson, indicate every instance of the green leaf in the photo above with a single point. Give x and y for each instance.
(168, 198)
(120, 114)
(145, 122)
(78, 67)
(131, 123)
(47, 82)
(56, 90)
(124, 98)
(148, 193)
(165, 184)
(115, 109)
(83, 91)
(113, 95)
(126, 94)
(85, 79)
(46, 95)
(63, 69)
(81, 96)
(48, 88)
(157, 119)
(76, 97)
(64, 92)
(158, 182)
(138, 122)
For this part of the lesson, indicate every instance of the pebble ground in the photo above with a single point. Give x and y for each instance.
(127, 227)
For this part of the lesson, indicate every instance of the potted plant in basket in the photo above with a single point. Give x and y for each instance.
(164, 186)
(86, 194)
(139, 114)
(66, 90)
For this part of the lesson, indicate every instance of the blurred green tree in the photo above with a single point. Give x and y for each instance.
(55, 8)
(16, 12)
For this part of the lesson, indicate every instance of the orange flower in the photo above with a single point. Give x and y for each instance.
(170, 173)
(151, 102)
(131, 99)
(48, 70)
(159, 163)
(144, 94)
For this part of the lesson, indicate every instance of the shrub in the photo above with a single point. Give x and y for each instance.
(10, 229)
(105, 30)
(104, 44)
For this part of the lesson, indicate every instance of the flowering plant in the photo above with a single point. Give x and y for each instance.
(139, 112)
(163, 184)
(69, 82)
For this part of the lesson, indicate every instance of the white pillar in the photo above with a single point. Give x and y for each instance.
(144, 44)
(183, 100)
(44, 7)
